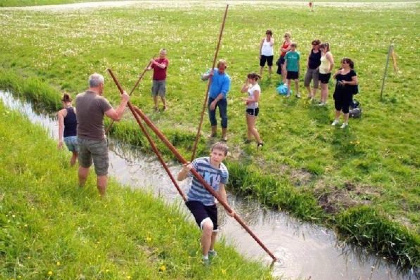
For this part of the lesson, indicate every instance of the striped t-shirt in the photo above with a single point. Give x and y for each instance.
(213, 176)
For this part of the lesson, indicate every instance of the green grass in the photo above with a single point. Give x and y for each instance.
(377, 155)
(52, 229)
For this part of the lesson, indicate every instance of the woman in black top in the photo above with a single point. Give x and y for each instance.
(312, 72)
(344, 89)
(67, 128)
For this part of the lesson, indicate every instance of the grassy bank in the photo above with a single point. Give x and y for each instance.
(306, 167)
(51, 229)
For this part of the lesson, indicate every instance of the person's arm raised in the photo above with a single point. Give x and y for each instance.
(116, 115)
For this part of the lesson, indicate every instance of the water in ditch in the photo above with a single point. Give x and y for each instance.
(306, 251)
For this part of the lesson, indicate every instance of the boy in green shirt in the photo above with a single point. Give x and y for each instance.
(292, 58)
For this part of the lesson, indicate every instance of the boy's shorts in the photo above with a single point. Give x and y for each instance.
(202, 212)
(159, 88)
(292, 75)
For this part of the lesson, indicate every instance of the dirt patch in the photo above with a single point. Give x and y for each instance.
(336, 199)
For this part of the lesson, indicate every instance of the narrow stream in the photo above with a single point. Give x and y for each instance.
(306, 251)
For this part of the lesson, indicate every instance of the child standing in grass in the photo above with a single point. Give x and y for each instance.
(200, 201)
(291, 61)
(253, 89)
(67, 128)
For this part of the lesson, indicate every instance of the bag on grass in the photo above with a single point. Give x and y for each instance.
(355, 109)
(282, 89)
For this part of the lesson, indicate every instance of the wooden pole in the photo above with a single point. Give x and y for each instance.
(152, 144)
(131, 92)
(391, 47)
(197, 137)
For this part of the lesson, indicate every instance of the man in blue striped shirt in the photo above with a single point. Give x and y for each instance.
(201, 202)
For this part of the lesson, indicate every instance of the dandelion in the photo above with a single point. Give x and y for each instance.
(50, 273)
(58, 263)
(162, 268)
(128, 277)
(223, 271)
(148, 239)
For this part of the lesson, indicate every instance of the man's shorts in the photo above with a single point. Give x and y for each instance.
(71, 143)
(96, 150)
(202, 212)
(292, 75)
(268, 59)
(159, 88)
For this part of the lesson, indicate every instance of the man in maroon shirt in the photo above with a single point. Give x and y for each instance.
(159, 67)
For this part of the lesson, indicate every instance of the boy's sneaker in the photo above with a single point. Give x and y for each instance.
(212, 253)
(206, 262)
(335, 122)
(344, 125)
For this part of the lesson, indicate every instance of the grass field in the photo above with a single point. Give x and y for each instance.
(372, 165)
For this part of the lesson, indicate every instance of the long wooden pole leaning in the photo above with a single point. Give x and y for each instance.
(152, 144)
(168, 144)
(197, 137)
(131, 92)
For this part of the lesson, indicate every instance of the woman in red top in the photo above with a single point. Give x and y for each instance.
(285, 47)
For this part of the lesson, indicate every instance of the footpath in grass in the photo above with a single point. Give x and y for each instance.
(52, 229)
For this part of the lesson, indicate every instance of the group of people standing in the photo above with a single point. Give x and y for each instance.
(319, 68)
(82, 128)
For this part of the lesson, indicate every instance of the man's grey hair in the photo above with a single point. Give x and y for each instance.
(95, 80)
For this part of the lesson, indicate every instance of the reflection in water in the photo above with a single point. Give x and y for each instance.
(306, 251)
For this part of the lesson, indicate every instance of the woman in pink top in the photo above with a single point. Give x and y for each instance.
(285, 47)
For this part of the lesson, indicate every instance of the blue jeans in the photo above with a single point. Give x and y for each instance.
(222, 104)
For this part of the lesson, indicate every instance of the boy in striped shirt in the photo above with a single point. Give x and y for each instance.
(201, 202)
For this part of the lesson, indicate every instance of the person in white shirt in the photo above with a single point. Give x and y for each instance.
(267, 52)
(253, 89)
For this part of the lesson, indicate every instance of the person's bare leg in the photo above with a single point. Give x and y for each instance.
(206, 237)
(163, 102)
(155, 100)
(74, 158)
(337, 114)
(83, 174)
(101, 182)
(346, 118)
(252, 129)
(213, 240)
